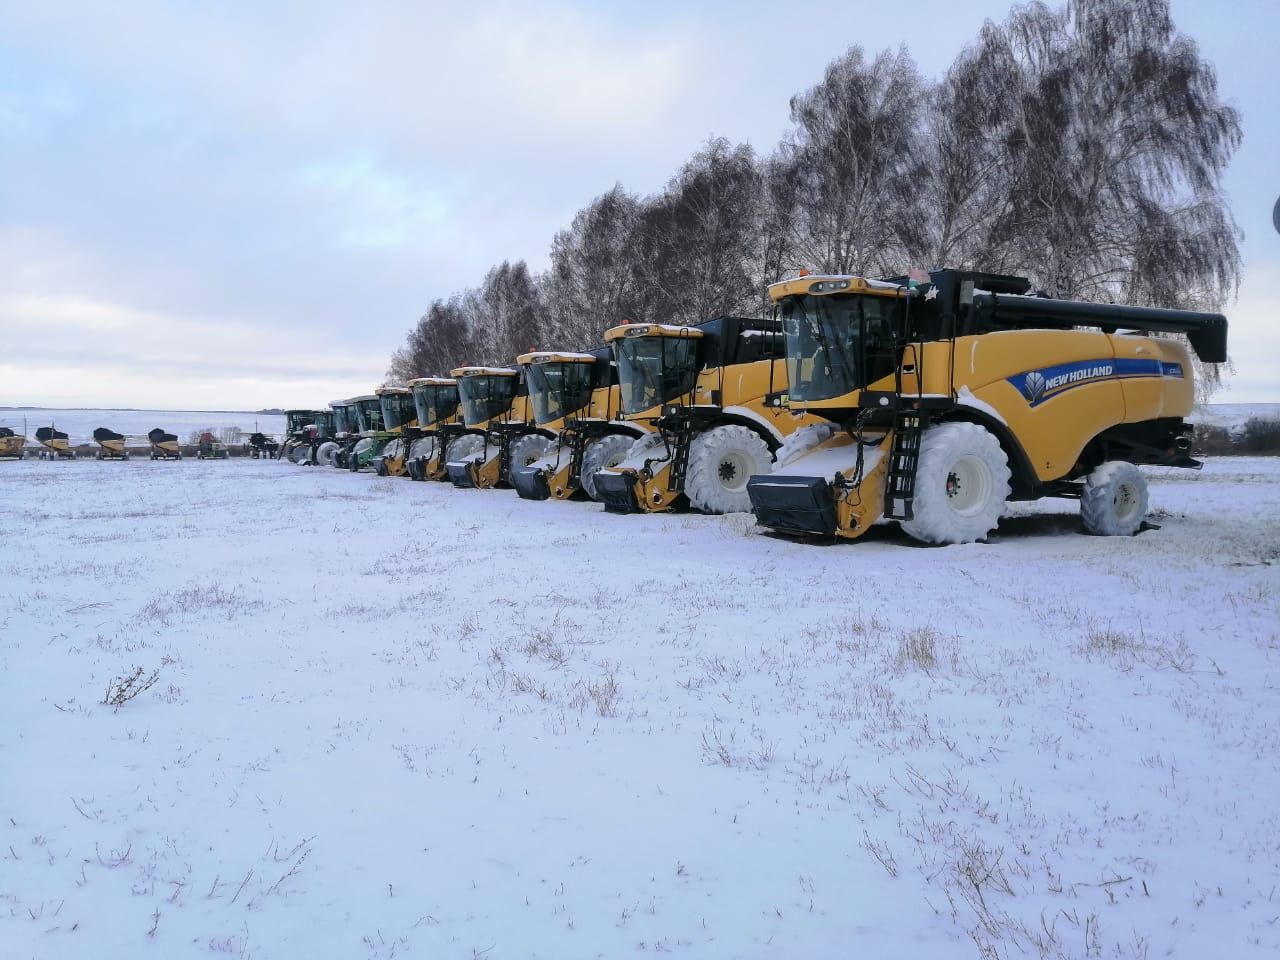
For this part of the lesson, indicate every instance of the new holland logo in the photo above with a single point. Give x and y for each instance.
(1040, 386)
(1033, 386)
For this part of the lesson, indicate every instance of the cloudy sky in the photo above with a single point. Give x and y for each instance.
(238, 205)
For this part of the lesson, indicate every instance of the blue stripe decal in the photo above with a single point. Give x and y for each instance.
(1043, 384)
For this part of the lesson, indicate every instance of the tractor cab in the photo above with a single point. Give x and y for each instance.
(296, 421)
(346, 420)
(323, 421)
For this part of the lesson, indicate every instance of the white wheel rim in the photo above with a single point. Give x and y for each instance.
(968, 485)
(733, 470)
(1126, 502)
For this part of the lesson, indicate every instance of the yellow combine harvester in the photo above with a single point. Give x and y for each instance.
(944, 397)
(399, 423)
(575, 396)
(497, 411)
(439, 423)
(709, 392)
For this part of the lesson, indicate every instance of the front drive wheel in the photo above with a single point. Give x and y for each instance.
(962, 483)
(1114, 500)
(528, 448)
(606, 452)
(720, 463)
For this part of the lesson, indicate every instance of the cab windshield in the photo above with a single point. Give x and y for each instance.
(323, 419)
(345, 420)
(397, 409)
(370, 415)
(484, 398)
(295, 420)
(558, 389)
(836, 344)
(435, 402)
(654, 370)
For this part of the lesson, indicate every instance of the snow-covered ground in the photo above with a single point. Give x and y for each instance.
(79, 425)
(402, 719)
(1233, 416)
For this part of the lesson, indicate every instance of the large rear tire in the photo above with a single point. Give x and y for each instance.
(962, 483)
(326, 453)
(1114, 500)
(606, 452)
(721, 461)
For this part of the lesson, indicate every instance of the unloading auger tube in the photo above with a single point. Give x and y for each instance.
(946, 396)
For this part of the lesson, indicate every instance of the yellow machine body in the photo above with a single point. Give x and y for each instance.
(434, 424)
(397, 424)
(1048, 395)
(492, 407)
(739, 393)
(584, 408)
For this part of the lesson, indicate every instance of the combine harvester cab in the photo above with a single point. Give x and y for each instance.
(944, 397)
(576, 397)
(366, 445)
(497, 411)
(164, 446)
(400, 429)
(346, 431)
(12, 445)
(439, 414)
(111, 445)
(711, 395)
(56, 444)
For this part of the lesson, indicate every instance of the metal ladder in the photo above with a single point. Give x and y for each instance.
(680, 456)
(904, 456)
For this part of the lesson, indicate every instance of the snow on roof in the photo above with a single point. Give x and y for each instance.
(542, 355)
(367, 396)
(483, 372)
(433, 382)
(383, 391)
(651, 330)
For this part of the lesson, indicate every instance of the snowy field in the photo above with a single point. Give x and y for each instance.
(401, 719)
(1233, 416)
(79, 425)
